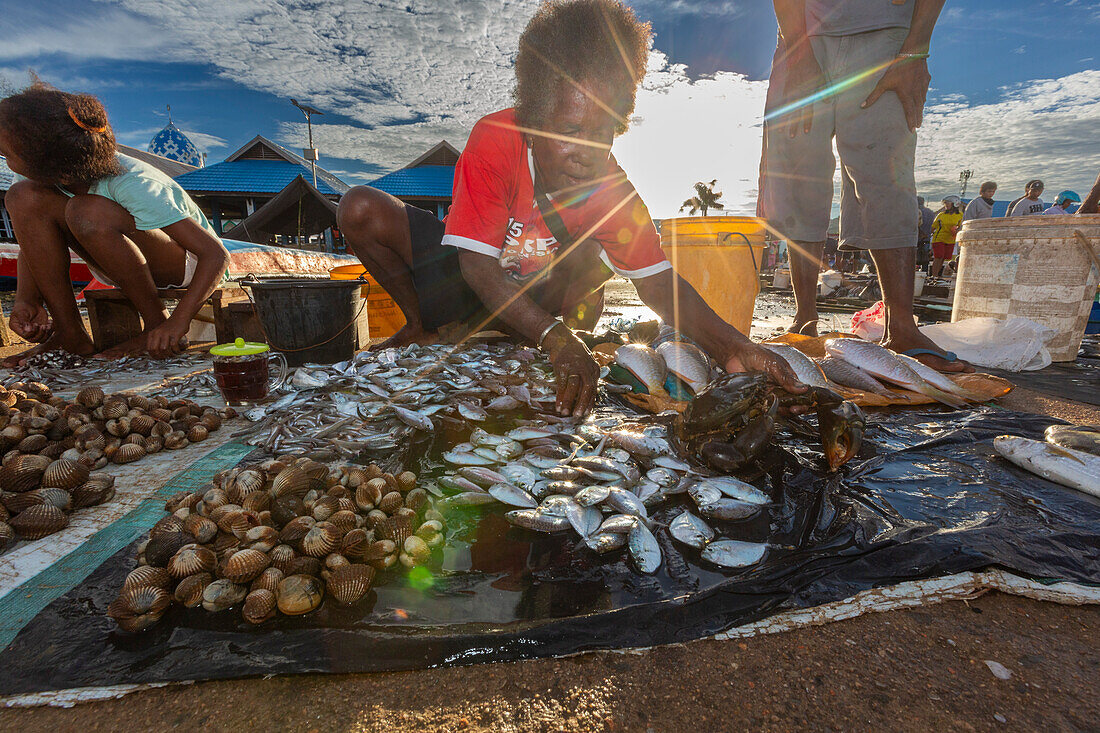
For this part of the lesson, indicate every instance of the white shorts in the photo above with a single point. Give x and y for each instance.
(878, 199)
(189, 265)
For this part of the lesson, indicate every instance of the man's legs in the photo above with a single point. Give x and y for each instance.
(805, 267)
(376, 227)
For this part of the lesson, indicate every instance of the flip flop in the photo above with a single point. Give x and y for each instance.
(948, 356)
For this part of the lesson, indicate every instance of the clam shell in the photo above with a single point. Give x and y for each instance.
(170, 523)
(367, 496)
(268, 579)
(257, 502)
(303, 565)
(292, 480)
(299, 594)
(15, 503)
(92, 493)
(192, 560)
(128, 453)
(175, 441)
(259, 606)
(59, 498)
(39, 521)
(160, 414)
(211, 421)
(285, 509)
(225, 544)
(161, 429)
(349, 583)
(217, 514)
(153, 444)
(115, 408)
(32, 444)
(90, 397)
(416, 499)
(244, 565)
(281, 556)
(334, 560)
(134, 439)
(201, 527)
(356, 543)
(296, 529)
(247, 482)
(344, 520)
(197, 433)
(321, 539)
(391, 502)
(118, 427)
(324, 508)
(222, 594)
(395, 528)
(190, 589)
(64, 474)
(53, 451)
(23, 472)
(375, 517)
(238, 523)
(406, 481)
(7, 534)
(136, 609)
(213, 499)
(139, 402)
(147, 575)
(380, 549)
(142, 424)
(162, 547)
(262, 538)
(417, 549)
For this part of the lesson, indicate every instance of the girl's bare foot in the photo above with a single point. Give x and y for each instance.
(131, 347)
(82, 347)
(407, 335)
(806, 328)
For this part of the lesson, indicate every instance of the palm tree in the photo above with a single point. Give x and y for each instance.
(705, 198)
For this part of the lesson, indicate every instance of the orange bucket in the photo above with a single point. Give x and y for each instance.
(384, 317)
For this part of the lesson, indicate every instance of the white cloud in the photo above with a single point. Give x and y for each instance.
(104, 34)
(205, 142)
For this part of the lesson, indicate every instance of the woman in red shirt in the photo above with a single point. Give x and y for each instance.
(542, 215)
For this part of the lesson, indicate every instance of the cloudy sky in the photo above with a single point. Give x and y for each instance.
(1016, 83)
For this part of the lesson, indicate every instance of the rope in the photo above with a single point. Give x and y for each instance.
(336, 335)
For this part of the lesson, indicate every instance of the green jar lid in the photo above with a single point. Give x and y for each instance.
(240, 347)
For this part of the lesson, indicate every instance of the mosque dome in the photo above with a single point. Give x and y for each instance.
(173, 144)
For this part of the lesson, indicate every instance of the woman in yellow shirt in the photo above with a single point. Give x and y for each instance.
(944, 228)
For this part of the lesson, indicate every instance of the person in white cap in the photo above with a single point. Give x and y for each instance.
(1062, 203)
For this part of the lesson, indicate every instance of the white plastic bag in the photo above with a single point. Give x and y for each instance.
(870, 323)
(1016, 344)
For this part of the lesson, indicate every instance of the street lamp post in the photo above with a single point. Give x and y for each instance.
(309, 153)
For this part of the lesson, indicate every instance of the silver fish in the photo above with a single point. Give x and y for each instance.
(883, 364)
(469, 498)
(734, 553)
(591, 495)
(413, 419)
(688, 363)
(565, 487)
(1076, 437)
(618, 524)
(520, 475)
(645, 364)
(536, 520)
(644, 549)
(603, 542)
(470, 411)
(736, 489)
(805, 369)
(600, 464)
(512, 495)
(460, 484)
(1073, 468)
(482, 476)
(713, 504)
(556, 504)
(468, 459)
(691, 530)
(849, 375)
(937, 379)
(624, 501)
(585, 520)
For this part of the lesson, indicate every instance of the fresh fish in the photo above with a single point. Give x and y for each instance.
(598, 464)
(618, 524)
(537, 520)
(639, 444)
(645, 365)
(568, 488)
(883, 364)
(646, 490)
(713, 504)
(520, 475)
(467, 458)
(504, 403)
(1076, 437)
(734, 553)
(687, 363)
(624, 501)
(672, 463)
(482, 476)
(662, 476)
(1073, 468)
(603, 542)
(458, 484)
(849, 375)
(512, 495)
(644, 550)
(805, 369)
(413, 419)
(470, 411)
(556, 504)
(691, 530)
(591, 495)
(585, 520)
(524, 434)
(469, 498)
(737, 489)
(938, 379)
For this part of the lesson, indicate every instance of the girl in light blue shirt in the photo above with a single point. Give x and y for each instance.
(133, 225)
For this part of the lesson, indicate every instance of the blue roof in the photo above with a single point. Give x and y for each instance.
(425, 180)
(173, 144)
(256, 176)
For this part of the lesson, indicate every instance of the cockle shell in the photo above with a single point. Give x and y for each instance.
(55, 497)
(259, 606)
(147, 575)
(139, 402)
(90, 397)
(170, 523)
(344, 520)
(367, 496)
(406, 481)
(416, 498)
(244, 565)
(268, 579)
(191, 560)
(257, 502)
(118, 427)
(190, 590)
(162, 547)
(134, 439)
(296, 529)
(321, 539)
(136, 609)
(197, 433)
(324, 508)
(128, 453)
(238, 523)
(303, 565)
(281, 556)
(299, 594)
(417, 550)
(218, 513)
(292, 480)
(262, 538)
(211, 421)
(23, 472)
(222, 594)
(397, 529)
(201, 527)
(391, 502)
(160, 415)
(175, 441)
(64, 474)
(53, 451)
(15, 503)
(32, 444)
(380, 549)
(153, 444)
(247, 482)
(349, 583)
(356, 543)
(7, 534)
(39, 521)
(92, 493)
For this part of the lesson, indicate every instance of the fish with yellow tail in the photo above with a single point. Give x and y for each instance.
(1073, 468)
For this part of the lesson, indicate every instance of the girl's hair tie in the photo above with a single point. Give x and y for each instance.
(84, 125)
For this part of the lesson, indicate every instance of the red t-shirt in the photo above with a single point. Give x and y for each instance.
(494, 210)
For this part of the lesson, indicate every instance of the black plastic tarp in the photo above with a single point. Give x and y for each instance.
(927, 497)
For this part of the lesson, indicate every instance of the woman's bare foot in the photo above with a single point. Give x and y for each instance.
(82, 347)
(920, 341)
(405, 336)
(805, 328)
(131, 347)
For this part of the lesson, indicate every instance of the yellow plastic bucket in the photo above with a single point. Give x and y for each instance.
(720, 256)
(384, 318)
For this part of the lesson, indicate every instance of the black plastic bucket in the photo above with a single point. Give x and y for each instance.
(308, 320)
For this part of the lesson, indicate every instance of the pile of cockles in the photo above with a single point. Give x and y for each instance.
(280, 537)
